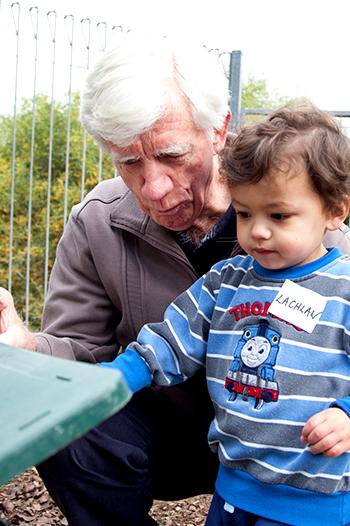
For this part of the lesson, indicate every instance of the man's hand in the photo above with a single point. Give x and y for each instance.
(12, 329)
(327, 432)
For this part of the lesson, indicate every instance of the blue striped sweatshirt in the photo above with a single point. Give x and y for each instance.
(260, 406)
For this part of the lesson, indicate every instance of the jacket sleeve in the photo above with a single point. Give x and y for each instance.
(79, 318)
(343, 403)
(174, 349)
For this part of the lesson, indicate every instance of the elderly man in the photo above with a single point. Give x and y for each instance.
(129, 248)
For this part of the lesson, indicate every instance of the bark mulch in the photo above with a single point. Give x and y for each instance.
(25, 502)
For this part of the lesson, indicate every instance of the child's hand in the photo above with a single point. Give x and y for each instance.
(327, 432)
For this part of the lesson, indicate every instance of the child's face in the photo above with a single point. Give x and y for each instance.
(281, 220)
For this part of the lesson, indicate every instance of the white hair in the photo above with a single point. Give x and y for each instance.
(139, 81)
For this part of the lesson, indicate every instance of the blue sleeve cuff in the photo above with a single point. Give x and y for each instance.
(134, 369)
(343, 403)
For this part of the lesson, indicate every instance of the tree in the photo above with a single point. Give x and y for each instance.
(256, 96)
(23, 167)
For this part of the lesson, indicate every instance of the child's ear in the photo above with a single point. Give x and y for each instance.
(336, 219)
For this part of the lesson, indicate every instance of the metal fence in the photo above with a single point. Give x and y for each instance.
(47, 162)
(342, 116)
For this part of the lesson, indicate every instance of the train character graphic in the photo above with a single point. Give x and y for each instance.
(251, 374)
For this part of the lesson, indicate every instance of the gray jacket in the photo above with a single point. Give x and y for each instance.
(115, 270)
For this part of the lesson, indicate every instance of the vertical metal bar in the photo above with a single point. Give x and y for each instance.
(235, 85)
(14, 137)
(100, 158)
(70, 32)
(103, 42)
(225, 57)
(119, 29)
(87, 39)
(51, 18)
(102, 34)
(31, 168)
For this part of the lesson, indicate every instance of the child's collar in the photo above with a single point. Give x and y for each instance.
(301, 270)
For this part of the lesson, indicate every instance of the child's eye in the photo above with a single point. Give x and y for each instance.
(279, 216)
(241, 214)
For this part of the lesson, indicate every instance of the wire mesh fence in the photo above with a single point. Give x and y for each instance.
(47, 161)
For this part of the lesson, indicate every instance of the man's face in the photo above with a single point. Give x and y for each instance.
(170, 169)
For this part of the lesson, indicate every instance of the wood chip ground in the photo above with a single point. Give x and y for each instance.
(25, 502)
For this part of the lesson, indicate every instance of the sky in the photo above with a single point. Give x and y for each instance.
(300, 47)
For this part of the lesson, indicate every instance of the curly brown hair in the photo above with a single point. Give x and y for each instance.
(299, 136)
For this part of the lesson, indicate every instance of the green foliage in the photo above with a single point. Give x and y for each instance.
(38, 168)
(255, 95)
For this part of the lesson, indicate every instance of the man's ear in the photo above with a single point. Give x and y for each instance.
(337, 219)
(219, 138)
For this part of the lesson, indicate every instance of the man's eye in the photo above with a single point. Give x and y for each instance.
(129, 162)
(171, 157)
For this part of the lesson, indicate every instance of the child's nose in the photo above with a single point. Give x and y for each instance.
(261, 231)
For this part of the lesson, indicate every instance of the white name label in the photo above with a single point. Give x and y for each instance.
(297, 305)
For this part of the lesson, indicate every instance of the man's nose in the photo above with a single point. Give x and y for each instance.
(156, 183)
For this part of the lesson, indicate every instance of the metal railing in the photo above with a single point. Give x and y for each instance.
(342, 116)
